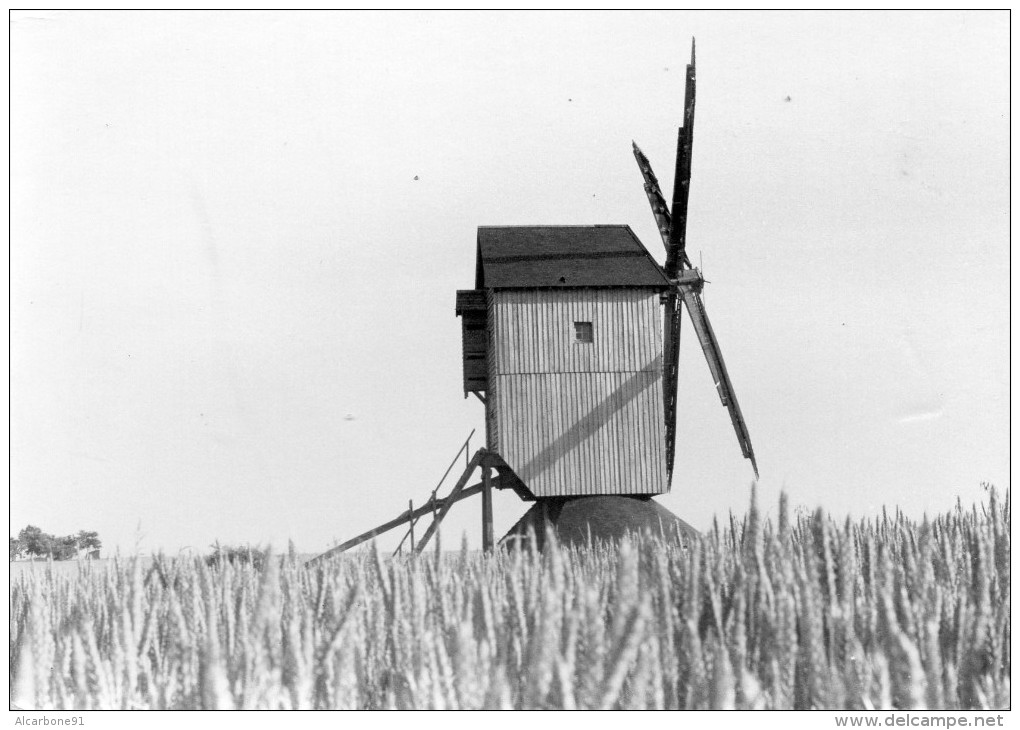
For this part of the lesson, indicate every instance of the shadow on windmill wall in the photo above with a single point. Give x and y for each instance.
(595, 435)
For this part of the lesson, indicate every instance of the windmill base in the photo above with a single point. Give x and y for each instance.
(576, 520)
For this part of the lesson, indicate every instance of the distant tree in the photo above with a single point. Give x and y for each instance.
(64, 548)
(237, 554)
(35, 542)
(89, 541)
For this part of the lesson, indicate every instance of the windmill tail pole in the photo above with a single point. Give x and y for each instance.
(397, 522)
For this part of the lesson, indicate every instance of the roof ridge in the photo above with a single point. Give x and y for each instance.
(558, 225)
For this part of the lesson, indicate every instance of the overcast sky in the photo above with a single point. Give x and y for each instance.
(236, 240)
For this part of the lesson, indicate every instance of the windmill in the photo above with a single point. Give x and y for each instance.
(566, 344)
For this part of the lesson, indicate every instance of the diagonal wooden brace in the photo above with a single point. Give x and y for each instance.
(473, 464)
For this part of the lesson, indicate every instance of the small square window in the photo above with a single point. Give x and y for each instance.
(583, 333)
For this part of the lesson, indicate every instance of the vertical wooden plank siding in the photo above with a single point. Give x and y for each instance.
(576, 418)
(492, 394)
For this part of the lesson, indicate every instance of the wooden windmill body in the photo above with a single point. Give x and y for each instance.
(571, 340)
(563, 338)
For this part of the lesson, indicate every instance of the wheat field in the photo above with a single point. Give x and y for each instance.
(806, 612)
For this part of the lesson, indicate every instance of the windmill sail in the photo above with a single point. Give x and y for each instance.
(709, 344)
(675, 259)
(671, 375)
(658, 203)
(676, 250)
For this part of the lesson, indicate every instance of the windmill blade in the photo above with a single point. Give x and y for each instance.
(676, 250)
(658, 203)
(709, 344)
(673, 229)
(670, 375)
(676, 257)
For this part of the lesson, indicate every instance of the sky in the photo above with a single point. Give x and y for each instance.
(236, 240)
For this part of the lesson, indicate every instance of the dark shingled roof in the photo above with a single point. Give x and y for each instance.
(563, 256)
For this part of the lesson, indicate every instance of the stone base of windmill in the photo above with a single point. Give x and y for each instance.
(577, 521)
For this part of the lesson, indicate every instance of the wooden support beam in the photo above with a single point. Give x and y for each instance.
(410, 530)
(448, 502)
(494, 460)
(488, 539)
(410, 509)
(443, 503)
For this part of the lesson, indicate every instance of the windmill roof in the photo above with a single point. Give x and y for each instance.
(564, 256)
